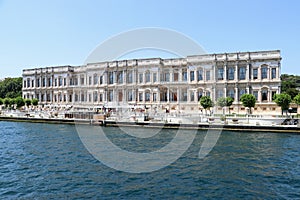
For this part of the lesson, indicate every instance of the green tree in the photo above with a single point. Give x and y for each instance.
(35, 102)
(6, 102)
(297, 100)
(1, 102)
(248, 100)
(225, 102)
(289, 84)
(12, 102)
(283, 100)
(11, 87)
(206, 102)
(19, 102)
(292, 92)
(27, 102)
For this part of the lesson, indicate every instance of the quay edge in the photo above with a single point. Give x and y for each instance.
(199, 126)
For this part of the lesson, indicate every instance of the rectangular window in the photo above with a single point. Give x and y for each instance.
(38, 82)
(95, 79)
(81, 81)
(192, 96)
(273, 73)
(32, 83)
(207, 75)
(101, 80)
(173, 95)
(165, 76)
(90, 97)
(255, 93)
(264, 72)
(82, 98)
(154, 77)
(192, 76)
(231, 73)
(147, 77)
(255, 73)
(95, 94)
(200, 74)
(129, 77)
(65, 81)
(154, 96)
(120, 77)
(242, 73)
(184, 75)
(147, 96)
(48, 97)
(231, 93)
(44, 82)
(101, 98)
(120, 96)
(90, 80)
(28, 82)
(75, 80)
(220, 73)
(140, 96)
(184, 95)
(140, 78)
(110, 78)
(130, 96)
(242, 91)
(110, 95)
(175, 76)
(219, 93)
(55, 82)
(273, 94)
(60, 81)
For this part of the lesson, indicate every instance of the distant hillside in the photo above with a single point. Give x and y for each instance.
(290, 84)
(11, 87)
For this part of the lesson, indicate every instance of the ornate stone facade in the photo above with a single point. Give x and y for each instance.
(175, 84)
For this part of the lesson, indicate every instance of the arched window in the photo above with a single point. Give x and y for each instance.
(264, 95)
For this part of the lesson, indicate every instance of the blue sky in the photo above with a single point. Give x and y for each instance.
(44, 33)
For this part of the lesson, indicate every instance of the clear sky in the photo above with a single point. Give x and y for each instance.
(40, 33)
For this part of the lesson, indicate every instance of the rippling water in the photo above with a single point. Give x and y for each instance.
(45, 161)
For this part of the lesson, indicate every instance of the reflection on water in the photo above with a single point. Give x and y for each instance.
(49, 161)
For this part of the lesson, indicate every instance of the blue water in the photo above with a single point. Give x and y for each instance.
(44, 161)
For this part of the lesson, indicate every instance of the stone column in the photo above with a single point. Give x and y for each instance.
(248, 71)
(168, 95)
(214, 77)
(236, 72)
(236, 89)
(214, 93)
(225, 72)
(259, 95)
(125, 76)
(259, 73)
(180, 75)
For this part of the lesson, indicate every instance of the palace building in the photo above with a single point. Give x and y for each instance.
(175, 84)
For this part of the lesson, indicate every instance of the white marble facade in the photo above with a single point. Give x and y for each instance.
(175, 84)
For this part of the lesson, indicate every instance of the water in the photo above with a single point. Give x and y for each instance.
(44, 161)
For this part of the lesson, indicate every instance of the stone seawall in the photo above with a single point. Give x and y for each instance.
(199, 126)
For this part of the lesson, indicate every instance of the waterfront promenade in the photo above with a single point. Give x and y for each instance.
(159, 119)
